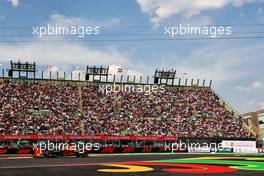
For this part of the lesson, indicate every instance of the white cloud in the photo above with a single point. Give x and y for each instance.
(62, 54)
(218, 62)
(78, 21)
(255, 86)
(14, 2)
(61, 57)
(160, 9)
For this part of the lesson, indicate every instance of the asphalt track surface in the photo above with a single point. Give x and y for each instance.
(135, 165)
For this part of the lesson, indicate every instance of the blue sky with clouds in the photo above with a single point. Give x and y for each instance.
(235, 65)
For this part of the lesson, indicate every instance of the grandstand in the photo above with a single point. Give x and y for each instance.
(55, 109)
(49, 107)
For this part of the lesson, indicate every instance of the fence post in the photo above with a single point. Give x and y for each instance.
(210, 85)
(121, 79)
(114, 78)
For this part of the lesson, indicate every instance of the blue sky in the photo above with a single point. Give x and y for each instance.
(235, 66)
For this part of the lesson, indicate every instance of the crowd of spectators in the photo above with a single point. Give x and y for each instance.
(48, 108)
(39, 108)
(174, 112)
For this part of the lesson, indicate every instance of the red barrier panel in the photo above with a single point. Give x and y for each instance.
(65, 137)
(3, 151)
(101, 150)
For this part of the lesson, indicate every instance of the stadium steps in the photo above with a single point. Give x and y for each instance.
(81, 98)
(82, 127)
(79, 92)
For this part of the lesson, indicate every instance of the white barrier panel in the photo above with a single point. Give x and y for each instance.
(245, 150)
(261, 150)
(199, 150)
(239, 144)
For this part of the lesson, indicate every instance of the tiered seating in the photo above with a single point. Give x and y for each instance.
(45, 108)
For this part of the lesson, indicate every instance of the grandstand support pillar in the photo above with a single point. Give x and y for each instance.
(79, 76)
(134, 80)
(140, 79)
(147, 79)
(42, 74)
(64, 75)
(249, 129)
(186, 81)
(50, 75)
(57, 75)
(179, 82)
(121, 78)
(173, 81)
(203, 82)
(114, 78)
(127, 78)
(3, 73)
(198, 82)
(100, 77)
(210, 84)
(71, 76)
(192, 82)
